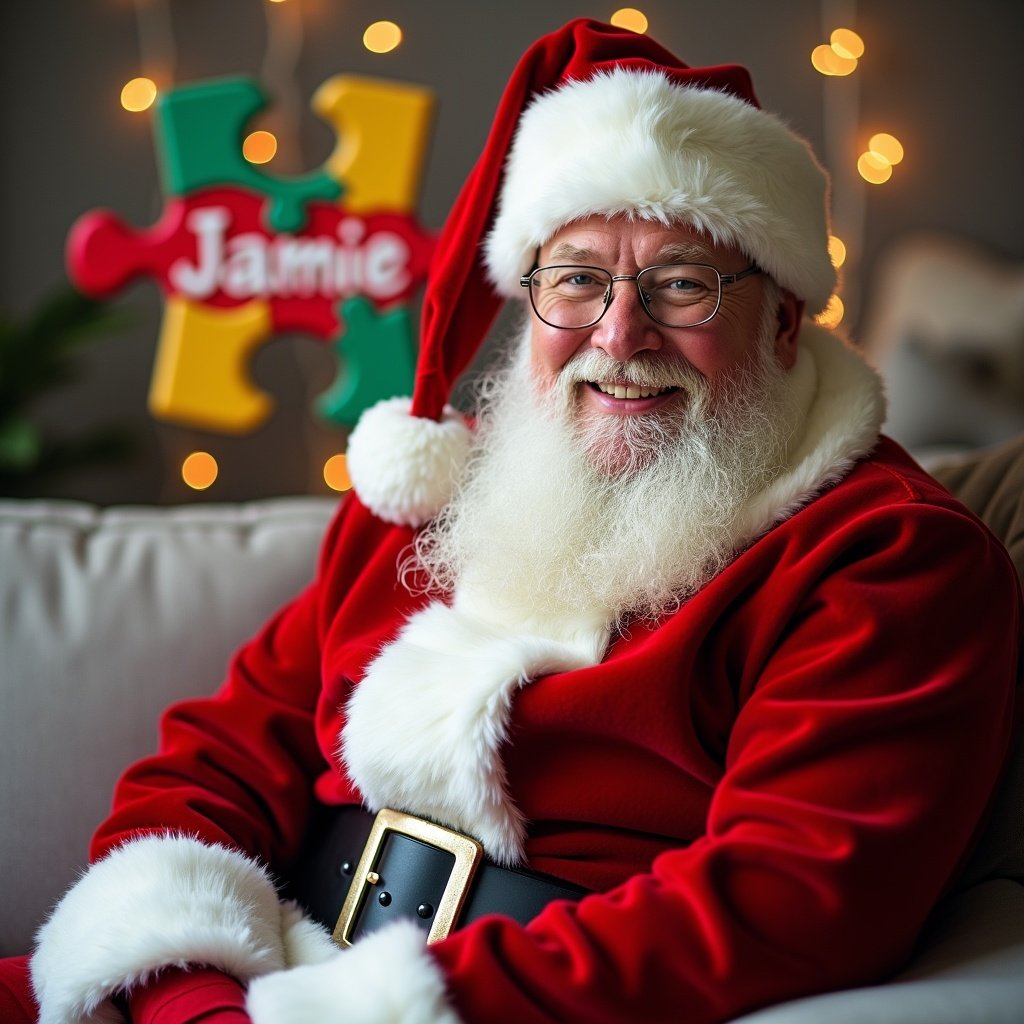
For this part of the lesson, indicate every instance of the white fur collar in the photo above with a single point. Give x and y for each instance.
(426, 724)
(845, 410)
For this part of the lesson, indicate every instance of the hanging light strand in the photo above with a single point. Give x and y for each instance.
(841, 117)
(158, 56)
(279, 137)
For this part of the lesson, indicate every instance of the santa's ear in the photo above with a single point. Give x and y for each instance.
(790, 317)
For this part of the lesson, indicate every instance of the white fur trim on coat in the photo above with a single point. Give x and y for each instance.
(386, 978)
(633, 143)
(844, 416)
(403, 467)
(425, 726)
(162, 901)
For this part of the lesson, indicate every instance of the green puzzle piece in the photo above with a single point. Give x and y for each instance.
(199, 134)
(378, 360)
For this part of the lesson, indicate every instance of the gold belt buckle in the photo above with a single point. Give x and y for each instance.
(467, 853)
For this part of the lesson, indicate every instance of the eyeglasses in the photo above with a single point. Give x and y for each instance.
(673, 294)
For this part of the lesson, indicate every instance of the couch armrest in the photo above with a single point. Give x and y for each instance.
(969, 968)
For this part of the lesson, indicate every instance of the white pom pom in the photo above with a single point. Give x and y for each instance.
(403, 467)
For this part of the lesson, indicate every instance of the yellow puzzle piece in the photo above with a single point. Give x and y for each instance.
(201, 374)
(383, 129)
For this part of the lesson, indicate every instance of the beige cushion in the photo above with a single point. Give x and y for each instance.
(991, 483)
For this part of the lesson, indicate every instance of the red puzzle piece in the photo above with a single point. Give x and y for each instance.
(212, 247)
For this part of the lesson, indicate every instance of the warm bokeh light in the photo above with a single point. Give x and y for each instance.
(847, 43)
(886, 146)
(872, 168)
(382, 36)
(832, 314)
(199, 470)
(836, 251)
(336, 473)
(630, 18)
(259, 147)
(138, 94)
(828, 62)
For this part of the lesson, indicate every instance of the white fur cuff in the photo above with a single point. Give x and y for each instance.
(404, 467)
(386, 978)
(155, 902)
(426, 726)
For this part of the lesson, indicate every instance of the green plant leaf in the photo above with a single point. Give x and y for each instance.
(37, 353)
(21, 443)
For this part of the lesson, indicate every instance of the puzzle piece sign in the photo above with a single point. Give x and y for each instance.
(241, 255)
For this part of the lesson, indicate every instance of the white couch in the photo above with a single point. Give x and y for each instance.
(106, 616)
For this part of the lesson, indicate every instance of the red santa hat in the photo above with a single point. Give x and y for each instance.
(594, 120)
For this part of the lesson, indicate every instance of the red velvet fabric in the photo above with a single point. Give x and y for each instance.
(769, 790)
(199, 996)
(459, 303)
(17, 1003)
(174, 996)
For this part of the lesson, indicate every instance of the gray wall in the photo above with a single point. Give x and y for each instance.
(945, 77)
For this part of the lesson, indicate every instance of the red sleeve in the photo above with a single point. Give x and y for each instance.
(177, 996)
(237, 768)
(862, 760)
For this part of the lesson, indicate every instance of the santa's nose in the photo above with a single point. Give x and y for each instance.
(626, 327)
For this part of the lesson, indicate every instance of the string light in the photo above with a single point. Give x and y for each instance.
(259, 147)
(887, 147)
(336, 473)
(138, 94)
(846, 43)
(874, 169)
(199, 470)
(839, 56)
(876, 164)
(382, 37)
(828, 62)
(630, 19)
(836, 251)
(832, 314)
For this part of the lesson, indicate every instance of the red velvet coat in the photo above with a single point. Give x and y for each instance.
(768, 791)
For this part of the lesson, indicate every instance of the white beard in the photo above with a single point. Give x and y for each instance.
(624, 517)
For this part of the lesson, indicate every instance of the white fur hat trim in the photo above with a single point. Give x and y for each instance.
(403, 467)
(635, 144)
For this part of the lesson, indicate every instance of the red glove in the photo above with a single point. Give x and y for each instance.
(177, 996)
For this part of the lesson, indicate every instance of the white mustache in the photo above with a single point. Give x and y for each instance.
(646, 370)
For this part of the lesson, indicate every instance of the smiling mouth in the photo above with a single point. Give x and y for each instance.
(628, 391)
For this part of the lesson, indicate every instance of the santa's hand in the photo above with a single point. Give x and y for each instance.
(386, 978)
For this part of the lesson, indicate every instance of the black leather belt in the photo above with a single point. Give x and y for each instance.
(367, 871)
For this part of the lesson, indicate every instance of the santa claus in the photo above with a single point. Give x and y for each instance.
(643, 697)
